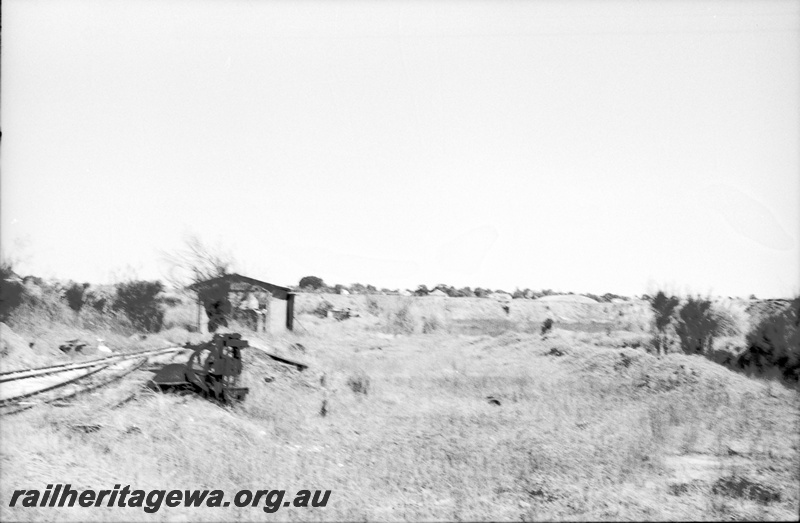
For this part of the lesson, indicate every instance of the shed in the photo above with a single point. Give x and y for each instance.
(275, 304)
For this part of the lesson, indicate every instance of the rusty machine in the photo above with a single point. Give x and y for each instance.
(213, 370)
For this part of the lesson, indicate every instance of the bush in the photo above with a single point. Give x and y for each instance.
(547, 325)
(141, 303)
(359, 383)
(41, 306)
(430, 324)
(401, 320)
(322, 309)
(663, 307)
(215, 298)
(373, 307)
(11, 291)
(698, 324)
(775, 343)
(76, 296)
(99, 300)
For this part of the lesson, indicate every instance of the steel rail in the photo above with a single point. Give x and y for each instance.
(5, 401)
(78, 392)
(63, 367)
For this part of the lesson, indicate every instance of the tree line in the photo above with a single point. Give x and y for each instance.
(317, 284)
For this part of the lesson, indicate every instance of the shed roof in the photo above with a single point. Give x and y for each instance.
(243, 283)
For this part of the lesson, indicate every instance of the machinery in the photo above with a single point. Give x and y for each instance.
(213, 370)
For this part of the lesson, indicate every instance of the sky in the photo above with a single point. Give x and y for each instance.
(583, 146)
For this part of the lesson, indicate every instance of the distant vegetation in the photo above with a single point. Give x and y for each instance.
(772, 346)
(317, 284)
(142, 303)
(311, 282)
(31, 303)
(691, 325)
(76, 296)
(11, 291)
(697, 326)
(774, 343)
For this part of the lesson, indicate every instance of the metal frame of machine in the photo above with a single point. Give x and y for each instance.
(213, 370)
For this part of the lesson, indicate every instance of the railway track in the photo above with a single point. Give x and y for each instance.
(24, 389)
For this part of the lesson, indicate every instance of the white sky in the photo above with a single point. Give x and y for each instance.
(580, 146)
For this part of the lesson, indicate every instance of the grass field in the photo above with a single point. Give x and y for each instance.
(475, 417)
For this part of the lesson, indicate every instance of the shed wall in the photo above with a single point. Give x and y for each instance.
(277, 315)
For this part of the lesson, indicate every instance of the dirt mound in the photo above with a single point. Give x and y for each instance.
(646, 372)
(16, 352)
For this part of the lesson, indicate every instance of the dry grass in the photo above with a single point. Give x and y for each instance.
(587, 427)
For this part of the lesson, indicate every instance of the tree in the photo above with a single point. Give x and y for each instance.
(774, 342)
(139, 300)
(215, 297)
(422, 290)
(697, 325)
(197, 262)
(312, 282)
(76, 296)
(663, 309)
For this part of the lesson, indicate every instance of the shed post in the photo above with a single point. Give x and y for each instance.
(290, 311)
(202, 326)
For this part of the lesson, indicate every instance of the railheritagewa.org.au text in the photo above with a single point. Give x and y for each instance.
(151, 501)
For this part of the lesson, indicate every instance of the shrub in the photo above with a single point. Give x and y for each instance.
(322, 309)
(663, 307)
(11, 291)
(141, 303)
(359, 383)
(775, 343)
(430, 324)
(373, 307)
(547, 325)
(401, 320)
(41, 306)
(76, 296)
(101, 302)
(697, 326)
(215, 298)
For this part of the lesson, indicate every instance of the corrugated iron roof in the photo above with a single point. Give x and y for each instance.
(277, 291)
